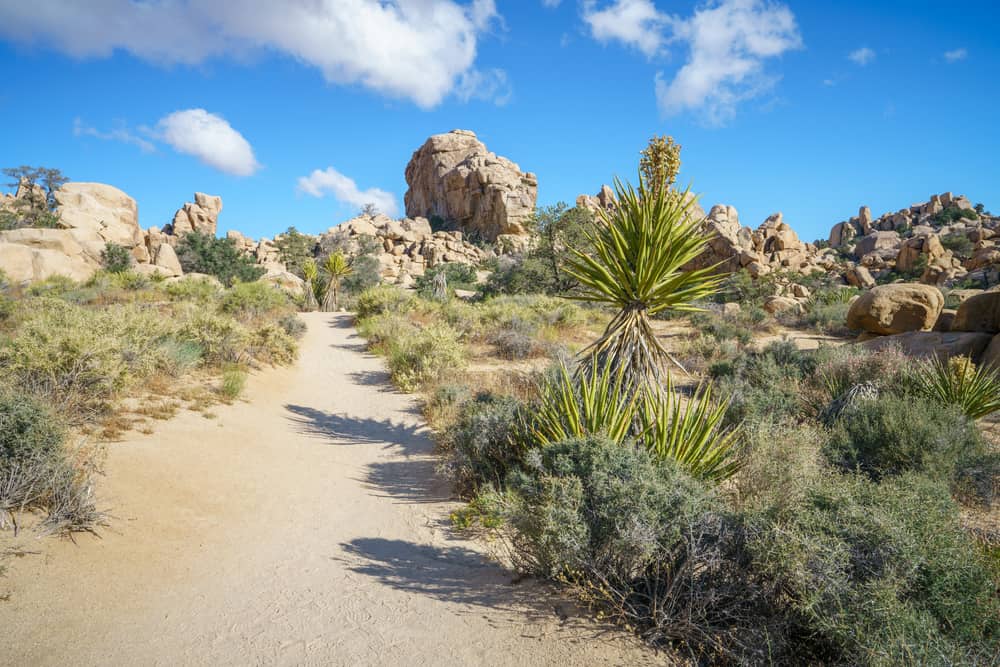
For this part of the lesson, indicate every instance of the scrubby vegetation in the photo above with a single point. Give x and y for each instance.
(71, 353)
(204, 253)
(787, 507)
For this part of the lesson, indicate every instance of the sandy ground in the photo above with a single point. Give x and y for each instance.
(302, 525)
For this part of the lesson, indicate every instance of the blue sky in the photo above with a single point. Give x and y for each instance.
(807, 107)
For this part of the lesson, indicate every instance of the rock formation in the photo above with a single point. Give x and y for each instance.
(200, 216)
(454, 178)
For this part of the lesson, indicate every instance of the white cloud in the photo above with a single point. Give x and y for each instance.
(415, 49)
(637, 23)
(862, 56)
(829, 82)
(955, 55)
(330, 181)
(209, 138)
(728, 43)
(491, 85)
(121, 133)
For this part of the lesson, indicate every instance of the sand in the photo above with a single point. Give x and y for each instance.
(304, 525)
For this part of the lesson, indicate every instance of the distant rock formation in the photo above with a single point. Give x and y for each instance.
(455, 178)
(201, 216)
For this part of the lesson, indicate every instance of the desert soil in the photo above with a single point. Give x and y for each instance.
(304, 524)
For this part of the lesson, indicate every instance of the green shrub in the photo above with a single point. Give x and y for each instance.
(642, 541)
(234, 379)
(203, 253)
(950, 215)
(293, 325)
(459, 276)
(193, 290)
(365, 274)
(515, 340)
(253, 300)
(381, 331)
(485, 443)
(764, 385)
(960, 244)
(880, 574)
(270, 343)
(116, 258)
(383, 299)
(28, 429)
(175, 357)
(957, 381)
(294, 249)
(221, 339)
(425, 357)
(977, 480)
(891, 435)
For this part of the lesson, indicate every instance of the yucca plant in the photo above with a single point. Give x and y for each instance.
(636, 265)
(958, 381)
(597, 402)
(592, 403)
(691, 434)
(310, 272)
(336, 267)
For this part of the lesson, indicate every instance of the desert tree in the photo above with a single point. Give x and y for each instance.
(336, 267)
(310, 272)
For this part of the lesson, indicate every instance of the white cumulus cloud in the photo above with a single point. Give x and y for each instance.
(329, 181)
(210, 138)
(862, 56)
(636, 23)
(955, 55)
(414, 49)
(728, 42)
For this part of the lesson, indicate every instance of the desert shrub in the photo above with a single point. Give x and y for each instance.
(891, 435)
(641, 540)
(177, 357)
(221, 339)
(383, 299)
(129, 280)
(764, 385)
(977, 480)
(828, 318)
(425, 357)
(253, 300)
(271, 344)
(28, 429)
(880, 574)
(193, 290)
(957, 381)
(721, 327)
(486, 441)
(7, 307)
(950, 215)
(203, 253)
(293, 325)
(294, 249)
(53, 286)
(516, 275)
(53, 486)
(515, 340)
(779, 461)
(960, 244)
(116, 258)
(381, 331)
(840, 370)
(234, 379)
(365, 274)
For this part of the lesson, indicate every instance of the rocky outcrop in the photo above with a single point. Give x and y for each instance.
(896, 308)
(924, 344)
(980, 312)
(201, 216)
(453, 177)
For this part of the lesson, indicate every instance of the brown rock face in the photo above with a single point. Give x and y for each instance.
(896, 308)
(979, 313)
(455, 178)
(935, 344)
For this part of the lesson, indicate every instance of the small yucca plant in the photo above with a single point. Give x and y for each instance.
(310, 272)
(596, 402)
(957, 381)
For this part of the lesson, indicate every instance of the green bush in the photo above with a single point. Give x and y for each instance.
(459, 276)
(891, 435)
(193, 290)
(425, 357)
(28, 429)
(294, 249)
(253, 300)
(880, 574)
(222, 339)
(485, 443)
(960, 244)
(116, 258)
(234, 379)
(270, 343)
(383, 299)
(977, 480)
(293, 325)
(642, 541)
(950, 215)
(764, 385)
(203, 253)
(515, 340)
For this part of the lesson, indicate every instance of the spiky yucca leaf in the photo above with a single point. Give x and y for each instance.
(639, 249)
(975, 390)
(691, 434)
(592, 403)
(336, 267)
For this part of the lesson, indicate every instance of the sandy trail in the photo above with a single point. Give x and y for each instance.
(303, 525)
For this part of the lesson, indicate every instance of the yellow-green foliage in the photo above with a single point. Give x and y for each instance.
(423, 358)
(270, 343)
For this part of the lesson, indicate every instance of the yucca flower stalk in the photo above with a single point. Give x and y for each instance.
(639, 249)
(336, 267)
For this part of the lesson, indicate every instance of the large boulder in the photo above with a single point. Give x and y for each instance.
(875, 242)
(980, 312)
(201, 215)
(934, 344)
(896, 308)
(99, 211)
(27, 264)
(455, 178)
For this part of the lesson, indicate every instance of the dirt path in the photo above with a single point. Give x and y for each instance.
(303, 525)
